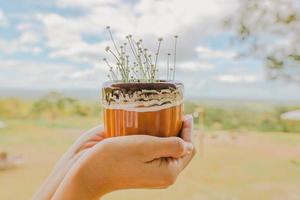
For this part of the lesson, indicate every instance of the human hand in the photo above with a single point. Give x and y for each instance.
(138, 161)
(85, 141)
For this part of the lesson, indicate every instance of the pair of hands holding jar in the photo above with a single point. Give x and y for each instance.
(95, 166)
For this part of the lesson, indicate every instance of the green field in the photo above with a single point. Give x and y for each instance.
(229, 165)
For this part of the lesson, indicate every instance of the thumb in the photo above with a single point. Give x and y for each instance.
(187, 129)
(168, 147)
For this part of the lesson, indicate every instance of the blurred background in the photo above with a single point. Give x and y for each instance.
(239, 61)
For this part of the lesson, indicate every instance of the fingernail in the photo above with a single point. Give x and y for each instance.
(189, 148)
(189, 117)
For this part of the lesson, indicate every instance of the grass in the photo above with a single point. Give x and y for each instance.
(229, 165)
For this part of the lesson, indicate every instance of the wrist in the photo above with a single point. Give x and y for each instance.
(74, 187)
(83, 186)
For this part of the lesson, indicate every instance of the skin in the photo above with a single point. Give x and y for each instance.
(95, 166)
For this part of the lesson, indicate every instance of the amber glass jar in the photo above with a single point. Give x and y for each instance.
(142, 108)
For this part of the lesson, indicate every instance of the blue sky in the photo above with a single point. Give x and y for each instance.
(59, 44)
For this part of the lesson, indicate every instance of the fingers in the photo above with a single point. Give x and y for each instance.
(90, 143)
(187, 129)
(187, 135)
(185, 160)
(99, 130)
(94, 134)
(173, 147)
(170, 168)
(175, 166)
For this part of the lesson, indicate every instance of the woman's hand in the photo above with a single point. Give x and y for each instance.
(138, 161)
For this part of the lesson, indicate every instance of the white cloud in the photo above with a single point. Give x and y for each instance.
(85, 4)
(207, 53)
(3, 19)
(48, 75)
(26, 42)
(176, 16)
(18, 45)
(64, 38)
(238, 78)
(81, 52)
(195, 66)
(146, 18)
(29, 37)
(24, 26)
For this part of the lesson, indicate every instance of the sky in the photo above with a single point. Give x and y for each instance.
(60, 44)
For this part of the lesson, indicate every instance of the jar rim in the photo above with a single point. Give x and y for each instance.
(154, 84)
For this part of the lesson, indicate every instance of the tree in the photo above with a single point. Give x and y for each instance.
(270, 30)
(54, 105)
(13, 108)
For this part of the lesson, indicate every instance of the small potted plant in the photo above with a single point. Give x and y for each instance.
(136, 100)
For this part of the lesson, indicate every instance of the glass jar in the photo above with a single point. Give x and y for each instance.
(142, 108)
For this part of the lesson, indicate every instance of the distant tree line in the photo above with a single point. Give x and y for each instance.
(52, 106)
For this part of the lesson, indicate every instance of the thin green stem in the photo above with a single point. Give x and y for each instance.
(112, 38)
(145, 68)
(156, 57)
(168, 66)
(175, 51)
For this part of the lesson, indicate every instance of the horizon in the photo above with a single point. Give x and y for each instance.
(94, 95)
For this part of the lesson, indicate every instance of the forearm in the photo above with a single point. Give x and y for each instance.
(73, 187)
(50, 185)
